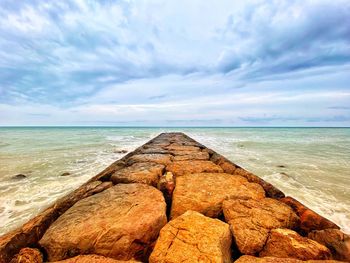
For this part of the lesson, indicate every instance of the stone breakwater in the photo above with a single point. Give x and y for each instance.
(174, 200)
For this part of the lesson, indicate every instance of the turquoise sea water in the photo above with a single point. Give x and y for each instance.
(310, 164)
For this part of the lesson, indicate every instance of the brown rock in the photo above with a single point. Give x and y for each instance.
(310, 220)
(336, 241)
(151, 157)
(205, 192)
(225, 164)
(285, 243)
(28, 255)
(187, 167)
(176, 147)
(270, 190)
(251, 259)
(19, 176)
(192, 156)
(145, 173)
(193, 237)
(65, 174)
(166, 185)
(121, 223)
(251, 221)
(93, 259)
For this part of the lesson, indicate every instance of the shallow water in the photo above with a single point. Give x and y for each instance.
(310, 164)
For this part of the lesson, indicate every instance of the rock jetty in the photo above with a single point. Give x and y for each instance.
(174, 200)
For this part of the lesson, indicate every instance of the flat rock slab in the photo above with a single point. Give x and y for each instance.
(251, 259)
(145, 173)
(251, 221)
(193, 237)
(94, 259)
(192, 156)
(205, 192)
(150, 157)
(180, 168)
(121, 223)
(285, 243)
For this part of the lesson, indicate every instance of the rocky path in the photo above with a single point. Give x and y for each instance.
(174, 200)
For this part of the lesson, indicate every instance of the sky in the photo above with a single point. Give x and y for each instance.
(175, 63)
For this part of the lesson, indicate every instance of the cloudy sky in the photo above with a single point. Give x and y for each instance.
(175, 62)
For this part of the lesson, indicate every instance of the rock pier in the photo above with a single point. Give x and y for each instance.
(174, 200)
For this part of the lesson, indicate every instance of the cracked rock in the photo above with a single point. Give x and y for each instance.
(121, 222)
(193, 237)
(251, 221)
(150, 157)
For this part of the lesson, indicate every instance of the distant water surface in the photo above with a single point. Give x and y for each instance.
(310, 164)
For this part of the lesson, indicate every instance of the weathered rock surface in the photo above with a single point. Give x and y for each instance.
(251, 221)
(93, 259)
(121, 223)
(285, 243)
(166, 185)
(205, 192)
(180, 168)
(150, 157)
(309, 220)
(193, 237)
(225, 164)
(192, 156)
(177, 147)
(28, 255)
(145, 173)
(336, 241)
(251, 259)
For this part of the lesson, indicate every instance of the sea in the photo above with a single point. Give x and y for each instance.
(310, 164)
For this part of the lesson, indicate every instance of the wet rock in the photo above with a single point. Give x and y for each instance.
(180, 168)
(19, 176)
(65, 174)
(285, 243)
(192, 156)
(336, 241)
(270, 190)
(251, 259)
(205, 192)
(28, 255)
(252, 220)
(309, 220)
(120, 151)
(145, 173)
(93, 259)
(151, 157)
(225, 164)
(281, 166)
(121, 222)
(193, 237)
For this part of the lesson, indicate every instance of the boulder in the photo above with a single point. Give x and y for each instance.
(336, 241)
(150, 157)
(93, 259)
(225, 164)
(285, 243)
(121, 222)
(251, 259)
(28, 255)
(145, 173)
(65, 174)
(19, 176)
(180, 168)
(166, 185)
(177, 147)
(205, 192)
(192, 237)
(309, 220)
(192, 156)
(251, 221)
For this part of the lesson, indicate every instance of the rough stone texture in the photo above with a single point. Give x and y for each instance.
(192, 156)
(31, 232)
(166, 185)
(151, 157)
(336, 241)
(177, 147)
(121, 223)
(187, 167)
(193, 237)
(145, 173)
(93, 259)
(225, 164)
(251, 221)
(28, 255)
(285, 243)
(205, 192)
(309, 220)
(251, 259)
